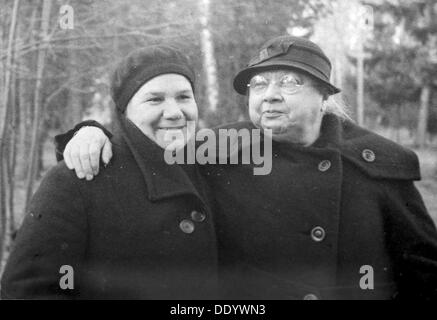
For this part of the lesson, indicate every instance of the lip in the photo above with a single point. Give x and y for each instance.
(172, 128)
(272, 114)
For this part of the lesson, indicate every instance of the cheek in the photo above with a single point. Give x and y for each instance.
(304, 108)
(191, 111)
(145, 117)
(255, 102)
(254, 105)
(314, 108)
(152, 117)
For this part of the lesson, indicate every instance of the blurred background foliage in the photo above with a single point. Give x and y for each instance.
(53, 76)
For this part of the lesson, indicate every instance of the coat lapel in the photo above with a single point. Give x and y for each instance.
(162, 180)
(389, 160)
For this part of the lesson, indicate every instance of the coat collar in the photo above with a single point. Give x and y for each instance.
(162, 180)
(373, 154)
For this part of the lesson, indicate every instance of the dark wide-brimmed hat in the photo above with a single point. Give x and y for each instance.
(287, 52)
(144, 64)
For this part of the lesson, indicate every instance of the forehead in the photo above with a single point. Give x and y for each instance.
(168, 82)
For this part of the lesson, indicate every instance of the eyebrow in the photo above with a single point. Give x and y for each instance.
(158, 93)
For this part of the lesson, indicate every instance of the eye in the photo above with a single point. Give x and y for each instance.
(155, 100)
(290, 81)
(184, 97)
(258, 83)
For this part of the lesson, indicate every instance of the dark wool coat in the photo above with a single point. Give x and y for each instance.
(326, 217)
(325, 221)
(141, 229)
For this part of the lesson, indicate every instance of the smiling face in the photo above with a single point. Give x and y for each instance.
(161, 109)
(288, 104)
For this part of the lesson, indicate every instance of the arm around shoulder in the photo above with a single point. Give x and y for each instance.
(62, 139)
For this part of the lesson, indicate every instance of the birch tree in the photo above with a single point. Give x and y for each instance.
(427, 26)
(209, 61)
(37, 102)
(5, 112)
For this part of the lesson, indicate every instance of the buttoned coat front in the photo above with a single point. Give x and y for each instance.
(340, 219)
(141, 229)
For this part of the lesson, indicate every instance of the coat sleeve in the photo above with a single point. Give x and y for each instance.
(53, 234)
(412, 241)
(62, 139)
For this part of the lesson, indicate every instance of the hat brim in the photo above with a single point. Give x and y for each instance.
(243, 77)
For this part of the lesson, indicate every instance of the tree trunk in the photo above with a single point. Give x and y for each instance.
(4, 220)
(37, 102)
(360, 85)
(74, 102)
(11, 153)
(25, 113)
(209, 62)
(423, 116)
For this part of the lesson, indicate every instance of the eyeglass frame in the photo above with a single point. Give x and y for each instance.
(295, 89)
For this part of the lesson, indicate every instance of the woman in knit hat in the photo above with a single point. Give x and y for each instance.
(142, 229)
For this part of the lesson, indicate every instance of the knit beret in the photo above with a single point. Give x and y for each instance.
(144, 64)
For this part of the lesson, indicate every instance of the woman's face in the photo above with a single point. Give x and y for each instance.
(161, 109)
(287, 103)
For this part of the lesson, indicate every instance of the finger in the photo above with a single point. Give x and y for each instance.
(85, 160)
(95, 157)
(67, 157)
(75, 160)
(107, 152)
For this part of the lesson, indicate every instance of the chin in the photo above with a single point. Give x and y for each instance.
(177, 144)
(276, 129)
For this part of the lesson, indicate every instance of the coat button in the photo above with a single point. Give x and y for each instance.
(310, 296)
(318, 234)
(324, 165)
(368, 155)
(198, 216)
(187, 226)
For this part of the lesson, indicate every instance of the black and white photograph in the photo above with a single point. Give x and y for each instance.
(230, 152)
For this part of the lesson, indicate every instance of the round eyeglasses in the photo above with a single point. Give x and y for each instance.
(287, 83)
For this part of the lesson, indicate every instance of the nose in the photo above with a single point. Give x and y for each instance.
(272, 93)
(172, 112)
